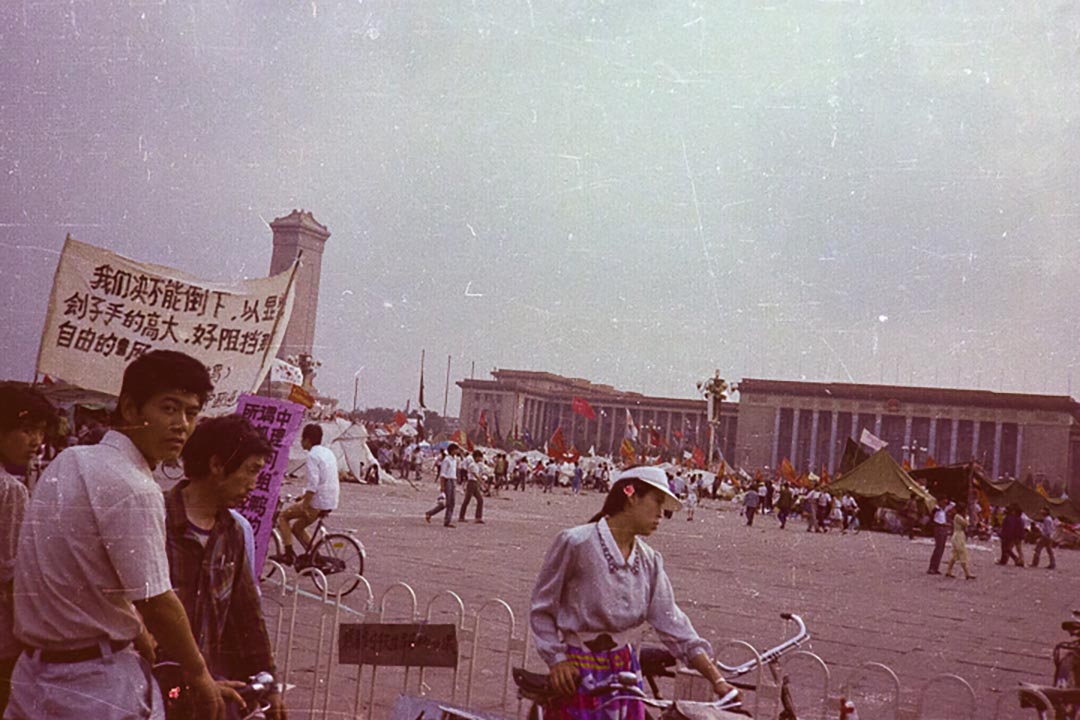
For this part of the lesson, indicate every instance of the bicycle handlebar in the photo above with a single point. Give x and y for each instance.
(772, 654)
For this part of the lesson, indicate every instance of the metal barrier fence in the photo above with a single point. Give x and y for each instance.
(312, 628)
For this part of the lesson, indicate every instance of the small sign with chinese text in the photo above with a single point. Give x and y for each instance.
(398, 644)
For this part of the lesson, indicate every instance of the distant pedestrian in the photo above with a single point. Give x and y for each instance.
(770, 493)
(575, 482)
(1046, 528)
(448, 472)
(751, 500)
(1012, 537)
(810, 506)
(551, 474)
(941, 535)
(474, 469)
(959, 544)
(824, 505)
(784, 504)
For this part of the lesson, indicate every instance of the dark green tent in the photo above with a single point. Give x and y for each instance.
(881, 481)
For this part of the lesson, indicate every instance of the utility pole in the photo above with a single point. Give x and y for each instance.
(446, 394)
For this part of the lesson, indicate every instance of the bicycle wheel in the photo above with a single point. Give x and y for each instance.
(272, 551)
(340, 558)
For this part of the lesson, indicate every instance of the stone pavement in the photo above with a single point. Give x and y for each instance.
(865, 597)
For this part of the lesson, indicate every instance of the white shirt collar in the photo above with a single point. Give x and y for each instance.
(122, 443)
(605, 534)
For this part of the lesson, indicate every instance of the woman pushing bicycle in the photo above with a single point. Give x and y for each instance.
(599, 582)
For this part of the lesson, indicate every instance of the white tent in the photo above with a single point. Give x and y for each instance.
(348, 441)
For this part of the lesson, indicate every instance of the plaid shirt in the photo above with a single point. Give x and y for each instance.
(218, 593)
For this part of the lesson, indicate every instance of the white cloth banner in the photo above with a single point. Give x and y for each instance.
(871, 440)
(105, 310)
(282, 371)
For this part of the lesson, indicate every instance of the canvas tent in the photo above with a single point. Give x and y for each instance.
(951, 481)
(881, 481)
(348, 441)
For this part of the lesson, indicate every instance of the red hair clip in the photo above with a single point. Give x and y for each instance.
(628, 489)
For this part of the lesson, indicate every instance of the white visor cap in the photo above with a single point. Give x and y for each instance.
(657, 478)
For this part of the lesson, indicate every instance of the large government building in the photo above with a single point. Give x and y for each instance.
(807, 423)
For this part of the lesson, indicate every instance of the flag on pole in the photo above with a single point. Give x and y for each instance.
(871, 440)
(582, 407)
(627, 451)
(400, 419)
(787, 471)
(422, 380)
(698, 457)
(631, 428)
(556, 447)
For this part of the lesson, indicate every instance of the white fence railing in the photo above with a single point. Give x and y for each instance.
(304, 629)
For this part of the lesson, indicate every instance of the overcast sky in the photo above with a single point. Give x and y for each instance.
(636, 193)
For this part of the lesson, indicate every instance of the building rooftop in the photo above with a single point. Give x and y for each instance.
(906, 394)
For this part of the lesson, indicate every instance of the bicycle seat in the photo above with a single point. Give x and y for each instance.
(532, 686)
(1071, 626)
(656, 662)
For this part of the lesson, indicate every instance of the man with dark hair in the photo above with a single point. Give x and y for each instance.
(320, 495)
(25, 416)
(207, 553)
(474, 468)
(92, 569)
(447, 478)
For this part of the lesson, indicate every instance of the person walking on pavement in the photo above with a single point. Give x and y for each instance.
(448, 470)
(810, 506)
(941, 535)
(959, 544)
(1012, 537)
(474, 469)
(751, 500)
(784, 503)
(1046, 527)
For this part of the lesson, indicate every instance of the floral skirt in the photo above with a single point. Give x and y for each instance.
(599, 666)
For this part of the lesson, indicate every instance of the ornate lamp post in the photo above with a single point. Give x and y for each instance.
(714, 390)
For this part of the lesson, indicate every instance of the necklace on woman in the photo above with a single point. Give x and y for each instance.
(612, 567)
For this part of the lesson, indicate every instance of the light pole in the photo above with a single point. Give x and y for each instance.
(356, 386)
(715, 391)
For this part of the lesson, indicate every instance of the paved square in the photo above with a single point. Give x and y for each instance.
(865, 597)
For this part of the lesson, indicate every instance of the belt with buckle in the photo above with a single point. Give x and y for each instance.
(92, 652)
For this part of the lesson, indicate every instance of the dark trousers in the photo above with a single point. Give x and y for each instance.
(1010, 550)
(783, 515)
(472, 490)
(750, 512)
(941, 535)
(6, 666)
(1041, 544)
(448, 505)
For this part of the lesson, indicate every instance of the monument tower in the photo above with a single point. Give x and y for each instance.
(299, 232)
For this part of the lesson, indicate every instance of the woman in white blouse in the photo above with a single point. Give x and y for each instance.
(599, 582)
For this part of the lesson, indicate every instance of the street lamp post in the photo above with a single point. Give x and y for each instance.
(714, 391)
(356, 387)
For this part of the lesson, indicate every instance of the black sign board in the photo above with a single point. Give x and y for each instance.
(400, 644)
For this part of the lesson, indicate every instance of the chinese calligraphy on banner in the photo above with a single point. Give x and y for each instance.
(105, 310)
(279, 420)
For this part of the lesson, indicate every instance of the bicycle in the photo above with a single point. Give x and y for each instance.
(1063, 697)
(338, 556)
(657, 662)
(255, 694)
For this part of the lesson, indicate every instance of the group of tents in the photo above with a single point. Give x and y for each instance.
(884, 483)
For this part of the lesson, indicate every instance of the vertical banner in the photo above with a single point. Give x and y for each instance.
(280, 421)
(106, 310)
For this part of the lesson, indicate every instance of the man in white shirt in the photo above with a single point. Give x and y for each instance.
(448, 471)
(92, 570)
(320, 495)
(474, 467)
(940, 519)
(1046, 527)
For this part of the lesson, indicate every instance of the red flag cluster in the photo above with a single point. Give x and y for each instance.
(582, 407)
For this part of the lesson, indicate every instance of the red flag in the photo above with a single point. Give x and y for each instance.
(825, 479)
(930, 462)
(787, 470)
(906, 465)
(400, 419)
(627, 451)
(698, 457)
(582, 407)
(556, 445)
(483, 421)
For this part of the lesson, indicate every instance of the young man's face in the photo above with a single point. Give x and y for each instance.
(233, 489)
(162, 425)
(18, 446)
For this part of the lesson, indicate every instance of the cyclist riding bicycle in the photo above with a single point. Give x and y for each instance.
(320, 495)
(599, 582)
